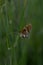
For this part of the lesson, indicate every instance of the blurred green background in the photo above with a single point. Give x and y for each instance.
(14, 15)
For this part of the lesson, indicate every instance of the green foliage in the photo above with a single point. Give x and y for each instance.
(14, 15)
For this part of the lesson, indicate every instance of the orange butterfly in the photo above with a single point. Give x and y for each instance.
(26, 31)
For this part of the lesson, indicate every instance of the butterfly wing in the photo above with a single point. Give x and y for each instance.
(25, 32)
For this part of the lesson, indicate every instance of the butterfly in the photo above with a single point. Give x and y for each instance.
(25, 32)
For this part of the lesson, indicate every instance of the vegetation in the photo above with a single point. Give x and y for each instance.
(14, 15)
